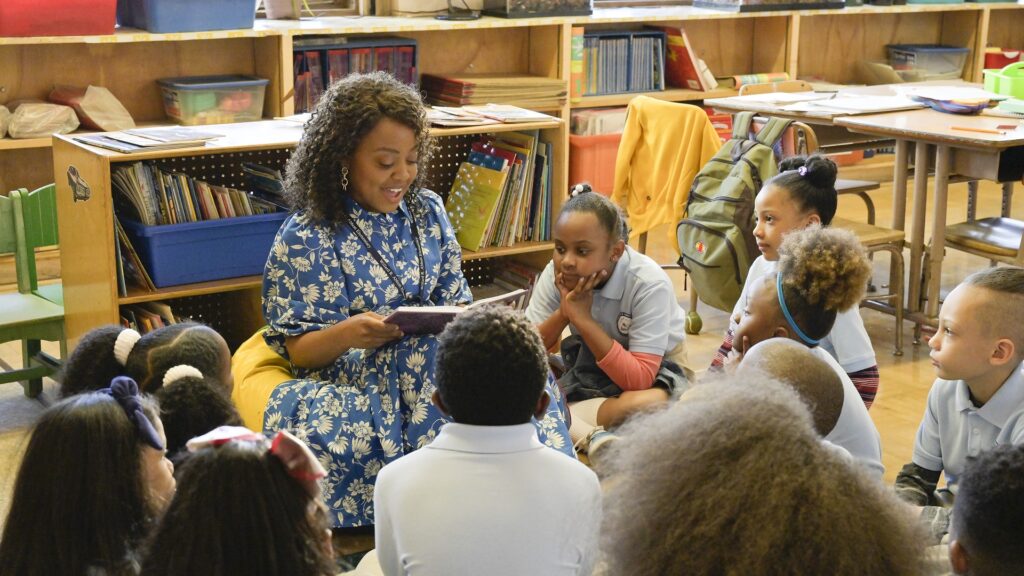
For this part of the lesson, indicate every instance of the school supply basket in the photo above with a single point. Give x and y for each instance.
(1008, 80)
(163, 16)
(917, 62)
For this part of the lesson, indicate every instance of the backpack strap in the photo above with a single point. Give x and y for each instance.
(741, 124)
(772, 131)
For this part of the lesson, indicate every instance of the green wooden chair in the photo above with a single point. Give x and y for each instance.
(39, 209)
(24, 315)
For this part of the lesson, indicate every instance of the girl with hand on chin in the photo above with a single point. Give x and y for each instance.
(364, 239)
(626, 351)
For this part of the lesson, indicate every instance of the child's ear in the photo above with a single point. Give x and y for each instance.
(542, 404)
(780, 332)
(814, 218)
(1004, 352)
(436, 399)
(958, 557)
(617, 249)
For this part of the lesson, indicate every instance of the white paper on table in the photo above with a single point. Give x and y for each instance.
(785, 97)
(858, 105)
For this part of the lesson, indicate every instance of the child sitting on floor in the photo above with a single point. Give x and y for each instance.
(185, 366)
(244, 506)
(804, 194)
(486, 497)
(977, 401)
(821, 271)
(93, 478)
(732, 479)
(626, 350)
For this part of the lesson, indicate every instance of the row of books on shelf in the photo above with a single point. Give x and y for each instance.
(320, 61)
(501, 194)
(156, 196)
(613, 62)
(535, 92)
(148, 316)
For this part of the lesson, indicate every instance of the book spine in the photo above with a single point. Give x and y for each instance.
(577, 77)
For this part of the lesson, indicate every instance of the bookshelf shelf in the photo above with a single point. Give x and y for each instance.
(672, 95)
(137, 295)
(24, 143)
(518, 248)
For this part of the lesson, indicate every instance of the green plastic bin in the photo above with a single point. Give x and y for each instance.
(1008, 81)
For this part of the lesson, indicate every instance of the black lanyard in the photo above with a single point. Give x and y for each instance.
(406, 297)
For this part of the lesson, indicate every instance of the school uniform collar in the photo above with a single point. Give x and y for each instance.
(1004, 403)
(616, 285)
(487, 439)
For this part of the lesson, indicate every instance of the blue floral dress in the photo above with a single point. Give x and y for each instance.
(370, 406)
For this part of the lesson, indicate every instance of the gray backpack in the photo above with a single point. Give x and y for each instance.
(716, 235)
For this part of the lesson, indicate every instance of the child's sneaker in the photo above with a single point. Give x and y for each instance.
(598, 438)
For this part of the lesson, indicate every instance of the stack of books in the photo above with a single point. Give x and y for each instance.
(148, 139)
(483, 115)
(535, 92)
(615, 62)
(154, 196)
(502, 193)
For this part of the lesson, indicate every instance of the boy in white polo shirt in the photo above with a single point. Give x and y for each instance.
(486, 497)
(977, 401)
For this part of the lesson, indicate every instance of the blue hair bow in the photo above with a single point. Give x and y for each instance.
(126, 392)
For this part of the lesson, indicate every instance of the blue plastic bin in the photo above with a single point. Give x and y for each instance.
(176, 254)
(164, 16)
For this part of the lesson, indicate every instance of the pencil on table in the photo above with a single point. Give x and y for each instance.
(973, 129)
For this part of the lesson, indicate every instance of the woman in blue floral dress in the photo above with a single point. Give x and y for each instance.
(365, 238)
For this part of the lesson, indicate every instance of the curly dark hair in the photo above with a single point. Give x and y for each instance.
(347, 111)
(732, 479)
(237, 511)
(91, 365)
(491, 367)
(815, 189)
(156, 352)
(191, 407)
(988, 508)
(824, 271)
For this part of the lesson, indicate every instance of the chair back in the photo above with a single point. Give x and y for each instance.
(37, 213)
(781, 86)
(8, 237)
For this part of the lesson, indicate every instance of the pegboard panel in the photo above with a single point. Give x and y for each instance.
(236, 315)
(225, 169)
(450, 151)
(479, 272)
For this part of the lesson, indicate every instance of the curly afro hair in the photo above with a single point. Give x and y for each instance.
(491, 367)
(347, 111)
(824, 271)
(988, 509)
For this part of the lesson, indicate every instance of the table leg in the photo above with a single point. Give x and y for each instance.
(899, 186)
(942, 158)
(917, 218)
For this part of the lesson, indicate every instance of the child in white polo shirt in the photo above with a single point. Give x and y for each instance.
(801, 195)
(486, 496)
(820, 272)
(977, 401)
(626, 350)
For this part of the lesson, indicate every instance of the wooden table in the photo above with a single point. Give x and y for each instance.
(976, 155)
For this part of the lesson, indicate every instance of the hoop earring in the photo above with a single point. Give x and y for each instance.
(344, 178)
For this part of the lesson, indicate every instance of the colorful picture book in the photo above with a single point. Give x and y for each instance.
(683, 68)
(535, 92)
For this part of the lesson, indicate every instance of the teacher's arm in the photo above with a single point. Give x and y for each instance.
(322, 347)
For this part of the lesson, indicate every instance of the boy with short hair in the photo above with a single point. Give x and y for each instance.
(977, 400)
(486, 497)
(987, 527)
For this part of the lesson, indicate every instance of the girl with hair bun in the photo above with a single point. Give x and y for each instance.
(820, 272)
(801, 195)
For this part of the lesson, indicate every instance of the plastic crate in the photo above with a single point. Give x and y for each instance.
(213, 99)
(164, 16)
(1008, 80)
(592, 159)
(56, 17)
(176, 254)
(927, 61)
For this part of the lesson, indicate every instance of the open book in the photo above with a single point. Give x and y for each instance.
(433, 319)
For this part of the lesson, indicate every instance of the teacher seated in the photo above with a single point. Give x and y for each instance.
(364, 239)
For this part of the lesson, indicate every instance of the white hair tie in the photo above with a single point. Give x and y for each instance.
(181, 371)
(124, 344)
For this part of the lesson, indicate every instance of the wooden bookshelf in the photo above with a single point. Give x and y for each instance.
(827, 43)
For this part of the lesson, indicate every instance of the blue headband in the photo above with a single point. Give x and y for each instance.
(126, 392)
(789, 317)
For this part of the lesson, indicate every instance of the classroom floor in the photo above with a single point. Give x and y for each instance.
(905, 380)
